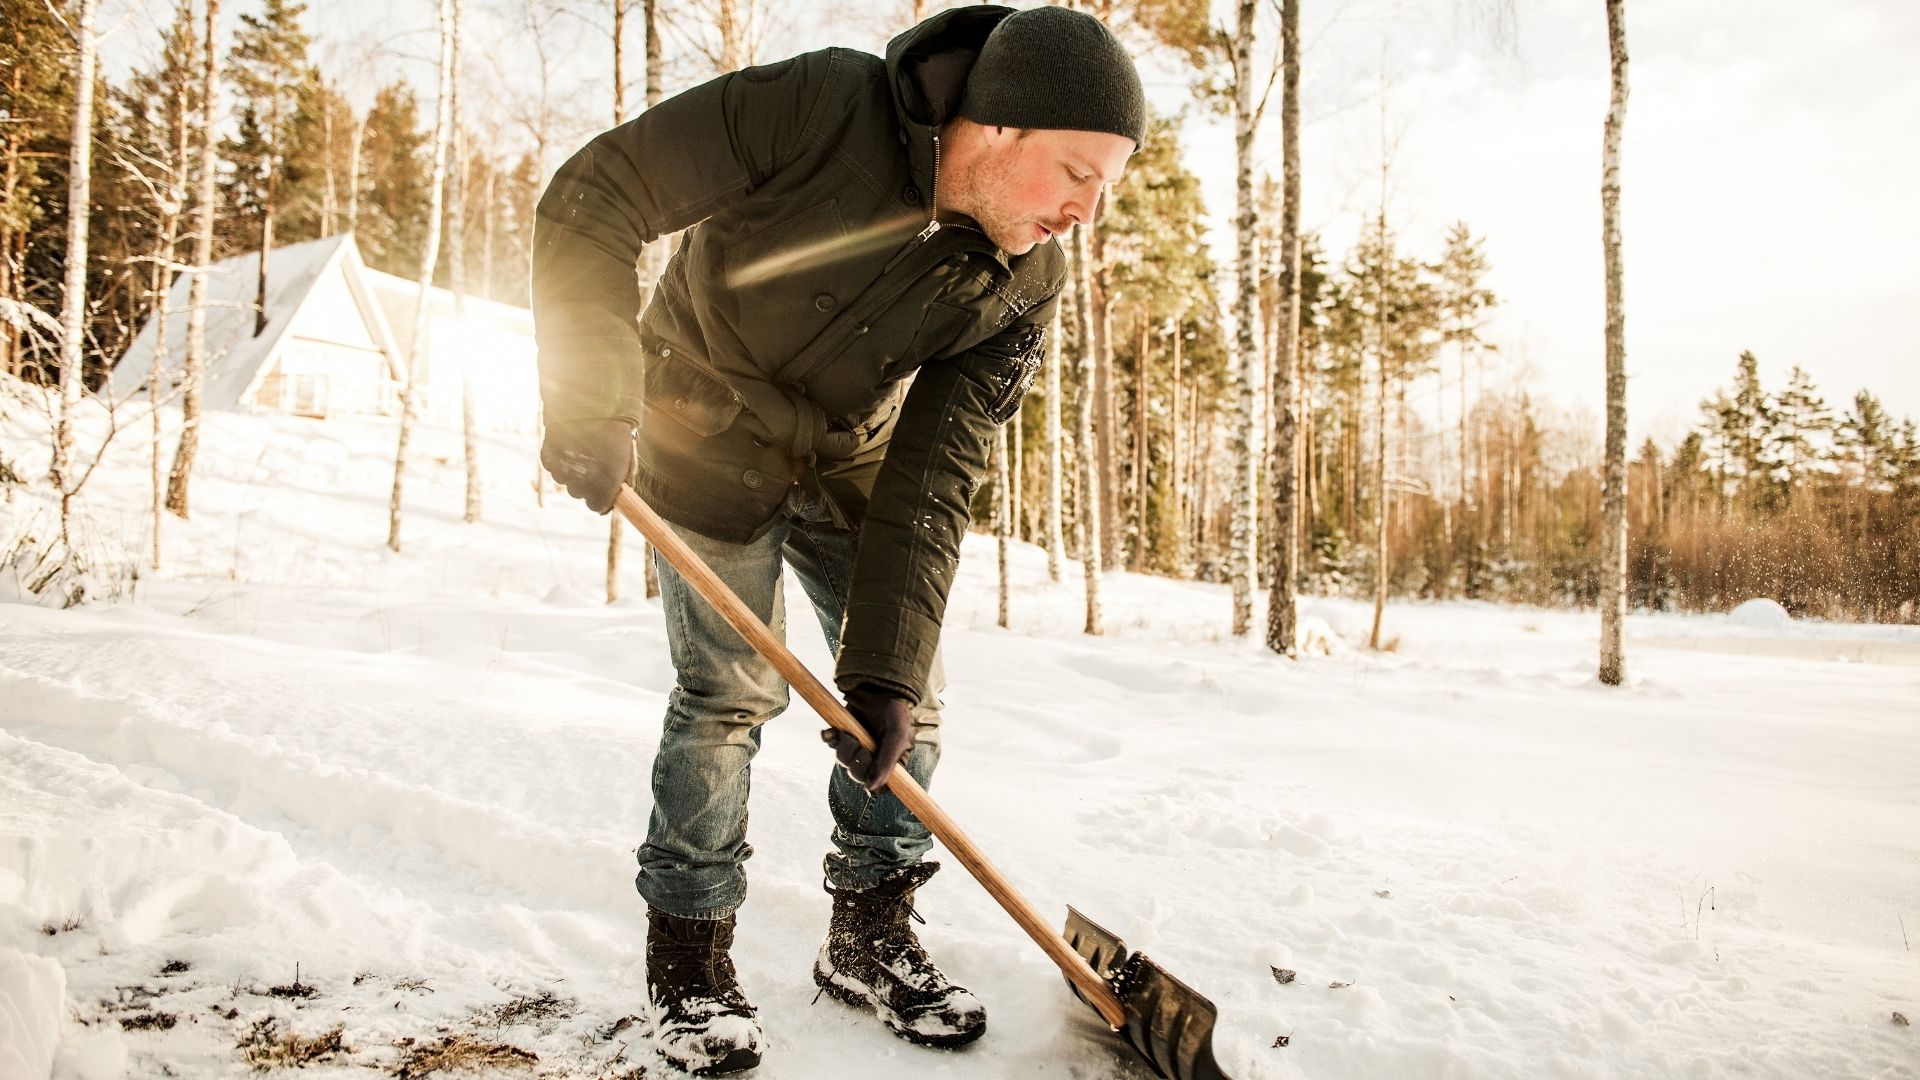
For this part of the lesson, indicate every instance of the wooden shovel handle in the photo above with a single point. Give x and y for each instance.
(704, 581)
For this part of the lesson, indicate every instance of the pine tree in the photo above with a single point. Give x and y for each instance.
(393, 207)
(36, 99)
(1464, 303)
(1750, 421)
(1866, 441)
(1802, 422)
(270, 74)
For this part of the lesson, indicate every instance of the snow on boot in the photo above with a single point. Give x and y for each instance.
(701, 1019)
(872, 959)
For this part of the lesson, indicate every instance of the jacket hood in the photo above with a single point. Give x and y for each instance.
(928, 64)
(927, 68)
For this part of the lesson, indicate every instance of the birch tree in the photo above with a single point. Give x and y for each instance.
(1088, 522)
(1056, 540)
(1613, 569)
(1281, 614)
(73, 310)
(429, 258)
(169, 193)
(616, 525)
(196, 364)
(457, 259)
(1247, 359)
(1002, 508)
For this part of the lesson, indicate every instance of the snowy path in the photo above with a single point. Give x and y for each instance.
(420, 779)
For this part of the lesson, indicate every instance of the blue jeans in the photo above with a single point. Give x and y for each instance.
(692, 862)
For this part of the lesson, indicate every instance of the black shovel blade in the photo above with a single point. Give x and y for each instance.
(1168, 1022)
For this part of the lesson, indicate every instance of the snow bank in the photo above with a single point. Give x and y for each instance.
(1760, 613)
(33, 1004)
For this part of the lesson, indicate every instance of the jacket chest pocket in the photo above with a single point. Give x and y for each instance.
(938, 330)
(684, 390)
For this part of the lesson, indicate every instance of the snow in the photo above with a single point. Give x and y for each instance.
(1760, 612)
(297, 777)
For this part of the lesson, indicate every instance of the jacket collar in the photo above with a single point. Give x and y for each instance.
(927, 68)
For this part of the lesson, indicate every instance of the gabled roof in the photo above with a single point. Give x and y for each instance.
(236, 357)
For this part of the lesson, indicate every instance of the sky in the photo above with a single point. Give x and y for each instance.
(1768, 165)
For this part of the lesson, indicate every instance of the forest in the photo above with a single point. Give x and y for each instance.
(1295, 419)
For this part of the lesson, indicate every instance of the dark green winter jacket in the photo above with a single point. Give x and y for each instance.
(812, 327)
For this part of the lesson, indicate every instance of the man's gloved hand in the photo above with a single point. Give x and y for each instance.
(590, 458)
(888, 718)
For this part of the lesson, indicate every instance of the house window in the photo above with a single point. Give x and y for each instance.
(309, 397)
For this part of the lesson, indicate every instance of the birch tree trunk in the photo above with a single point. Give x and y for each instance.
(1056, 538)
(487, 217)
(329, 199)
(654, 255)
(196, 367)
(457, 260)
(1613, 563)
(353, 173)
(616, 526)
(1020, 529)
(429, 258)
(1178, 509)
(1002, 508)
(1246, 334)
(1382, 570)
(1089, 516)
(1137, 490)
(176, 201)
(73, 308)
(1281, 614)
(1106, 424)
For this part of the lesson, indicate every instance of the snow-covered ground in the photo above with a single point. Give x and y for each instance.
(416, 781)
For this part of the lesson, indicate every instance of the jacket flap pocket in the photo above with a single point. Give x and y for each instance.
(805, 241)
(939, 332)
(701, 403)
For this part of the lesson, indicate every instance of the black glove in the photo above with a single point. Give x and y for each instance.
(590, 458)
(888, 718)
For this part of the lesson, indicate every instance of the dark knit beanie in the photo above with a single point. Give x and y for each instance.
(1051, 67)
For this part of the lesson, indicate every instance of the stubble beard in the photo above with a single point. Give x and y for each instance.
(975, 196)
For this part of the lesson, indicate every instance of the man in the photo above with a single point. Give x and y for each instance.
(861, 295)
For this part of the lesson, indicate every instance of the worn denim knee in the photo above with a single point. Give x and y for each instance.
(692, 862)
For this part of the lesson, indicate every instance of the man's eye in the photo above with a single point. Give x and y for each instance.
(1071, 175)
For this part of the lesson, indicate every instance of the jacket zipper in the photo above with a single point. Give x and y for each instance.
(925, 234)
(933, 215)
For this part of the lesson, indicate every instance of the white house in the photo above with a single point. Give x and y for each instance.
(335, 343)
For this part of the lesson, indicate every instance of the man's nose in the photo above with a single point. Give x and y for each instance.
(1081, 213)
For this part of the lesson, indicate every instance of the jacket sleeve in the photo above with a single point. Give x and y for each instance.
(910, 540)
(665, 170)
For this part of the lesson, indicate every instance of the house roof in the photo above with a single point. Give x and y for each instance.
(398, 298)
(236, 355)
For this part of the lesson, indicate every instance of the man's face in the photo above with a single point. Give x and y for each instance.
(1030, 184)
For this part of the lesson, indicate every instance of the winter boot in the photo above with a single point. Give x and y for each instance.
(702, 1021)
(872, 959)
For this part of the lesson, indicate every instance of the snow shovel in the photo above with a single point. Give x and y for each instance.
(1164, 1019)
